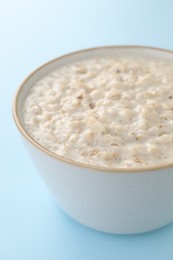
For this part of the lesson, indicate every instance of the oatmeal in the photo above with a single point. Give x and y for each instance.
(110, 112)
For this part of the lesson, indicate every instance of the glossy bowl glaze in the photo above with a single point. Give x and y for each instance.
(114, 200)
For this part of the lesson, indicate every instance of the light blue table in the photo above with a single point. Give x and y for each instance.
(32, 227)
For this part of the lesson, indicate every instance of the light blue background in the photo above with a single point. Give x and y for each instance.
(32, 227)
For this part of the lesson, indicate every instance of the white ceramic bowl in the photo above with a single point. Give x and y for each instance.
(122, 201)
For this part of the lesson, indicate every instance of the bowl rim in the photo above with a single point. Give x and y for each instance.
(62, 159)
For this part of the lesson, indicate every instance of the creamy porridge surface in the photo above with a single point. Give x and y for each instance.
(110, 112)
